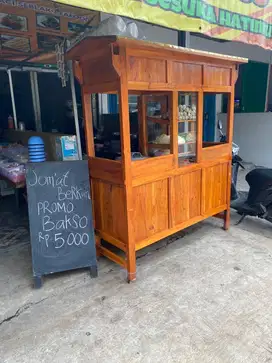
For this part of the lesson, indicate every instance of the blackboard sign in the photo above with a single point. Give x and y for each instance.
(60, 217)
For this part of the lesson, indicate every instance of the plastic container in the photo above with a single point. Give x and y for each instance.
(36, 150)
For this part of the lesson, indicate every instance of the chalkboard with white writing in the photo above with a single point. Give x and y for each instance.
(60, 217)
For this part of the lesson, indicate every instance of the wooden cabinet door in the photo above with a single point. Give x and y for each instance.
(215, 188)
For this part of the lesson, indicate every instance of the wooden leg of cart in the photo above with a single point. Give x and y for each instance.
(127, 164)
(131, 264)
(227, 219)
(98, 245)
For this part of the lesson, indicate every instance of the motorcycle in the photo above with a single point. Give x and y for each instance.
(236, 162)
(258, 201)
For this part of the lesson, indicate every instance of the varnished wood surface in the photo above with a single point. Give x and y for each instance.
(126, 163)
(136, 203)
(106, 170)
(217, 152)
(143, 139)
(214, 187)
(110, 209)
(152, 166)
(150, 209)
(186, 195)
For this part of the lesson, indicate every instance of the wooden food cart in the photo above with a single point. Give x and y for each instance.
(181, 178)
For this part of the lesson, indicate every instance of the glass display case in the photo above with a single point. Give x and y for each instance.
(158, 125)
(187, 118)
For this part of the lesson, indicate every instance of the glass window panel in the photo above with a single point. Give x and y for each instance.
(187, 116)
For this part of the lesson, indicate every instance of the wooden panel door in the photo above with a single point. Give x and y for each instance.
(146, 70)
(217, 76)
(186, 197)
(215, 188)
(150, 204)
(187, 73)
(109, 209)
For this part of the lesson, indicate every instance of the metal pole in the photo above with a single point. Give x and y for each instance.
(12, 99)
(73, 90)
(268, 84)
(184, 39)
(36, 100)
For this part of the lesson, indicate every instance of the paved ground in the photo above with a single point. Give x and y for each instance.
(203, 298)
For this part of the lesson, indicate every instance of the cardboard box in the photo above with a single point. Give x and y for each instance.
(66, 148)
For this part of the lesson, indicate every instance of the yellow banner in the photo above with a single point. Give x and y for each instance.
(248, 21)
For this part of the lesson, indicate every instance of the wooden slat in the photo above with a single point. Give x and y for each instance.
(107, 170)
(88, 122)
(150, 209)
(152, 166)
(187, 73)
(215, 182)
(186, 196)
(126, 163)
(115, 242)
(113, 257)
(199, 134)
(217, 89)
(173, 112)
(171, 190)
(78, 72)
(217, 76)
(107, 87)
(146, 86)
(109, 209)
(142, 125)
(142, 69)
(152, 177)
(222, 151)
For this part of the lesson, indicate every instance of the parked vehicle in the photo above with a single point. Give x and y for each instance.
(236, 162)
(258, 201)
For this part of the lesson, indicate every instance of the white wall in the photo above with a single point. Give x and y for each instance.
(252, 52)
(253, 133)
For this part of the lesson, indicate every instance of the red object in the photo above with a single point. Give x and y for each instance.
(10, 122)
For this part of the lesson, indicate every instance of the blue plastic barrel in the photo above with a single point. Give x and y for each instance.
(36, 150)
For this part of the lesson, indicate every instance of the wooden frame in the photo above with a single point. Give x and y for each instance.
(137, 203)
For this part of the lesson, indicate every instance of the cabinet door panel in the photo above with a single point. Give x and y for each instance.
(150, 206)
(215, 184)
(186, 197)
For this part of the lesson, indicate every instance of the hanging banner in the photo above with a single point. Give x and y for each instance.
(33, 27)
(248, 21)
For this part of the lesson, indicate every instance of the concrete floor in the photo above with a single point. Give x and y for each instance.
(204, 298)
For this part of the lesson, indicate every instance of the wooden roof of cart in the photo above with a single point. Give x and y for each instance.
(92, 44)
(101, 63)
